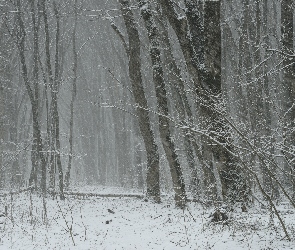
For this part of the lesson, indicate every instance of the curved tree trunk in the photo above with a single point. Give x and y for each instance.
(152, 179)
(164, 126)
(192, 34)
(181, 103)
(33, 92)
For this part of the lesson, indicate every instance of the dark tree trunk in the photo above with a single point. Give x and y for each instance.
(50, 123)
(207, 83)
(287, 13)
(181, 103)
(54, 101)
(2, 132)
(152, 179)
(195, 19)
(37, 146)
(74, 94)
(164, 126)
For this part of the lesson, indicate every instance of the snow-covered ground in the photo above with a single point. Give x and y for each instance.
(131, 223)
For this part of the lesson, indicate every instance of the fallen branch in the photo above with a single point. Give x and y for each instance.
(140, 196)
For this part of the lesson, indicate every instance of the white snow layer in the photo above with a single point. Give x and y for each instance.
(130, 223)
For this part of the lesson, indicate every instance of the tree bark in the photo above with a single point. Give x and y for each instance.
(181, 103)
(164, 126)
(50, 124)
(54, 101)
(152, 179)
(33, 93)
(287, 29)
(74, 94)
(207, 82)
(1, 133)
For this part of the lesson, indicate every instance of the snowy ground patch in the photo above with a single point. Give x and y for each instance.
(131, 223)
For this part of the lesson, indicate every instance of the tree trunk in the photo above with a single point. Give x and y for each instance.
(74, 94)
(164, 126)
(181, 103)
(50, 124)
(152, 179)
(207, 83)
(33, 93)
(54, 95)
(1, 134)
(195, 14)
(287, 29)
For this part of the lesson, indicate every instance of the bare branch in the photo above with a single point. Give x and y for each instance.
(120, 34)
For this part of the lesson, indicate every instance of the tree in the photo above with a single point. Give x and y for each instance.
(23, 24)
(207, 86)
(133, 53)
(1, 132)
(10, 107)
(32, 90)
(164, 126)
(74, 94)
(287, 14)
(181, 103)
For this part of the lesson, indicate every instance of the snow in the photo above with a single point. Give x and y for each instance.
(144, 7)
(135, 224)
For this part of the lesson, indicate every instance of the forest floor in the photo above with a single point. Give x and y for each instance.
(130, 223)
